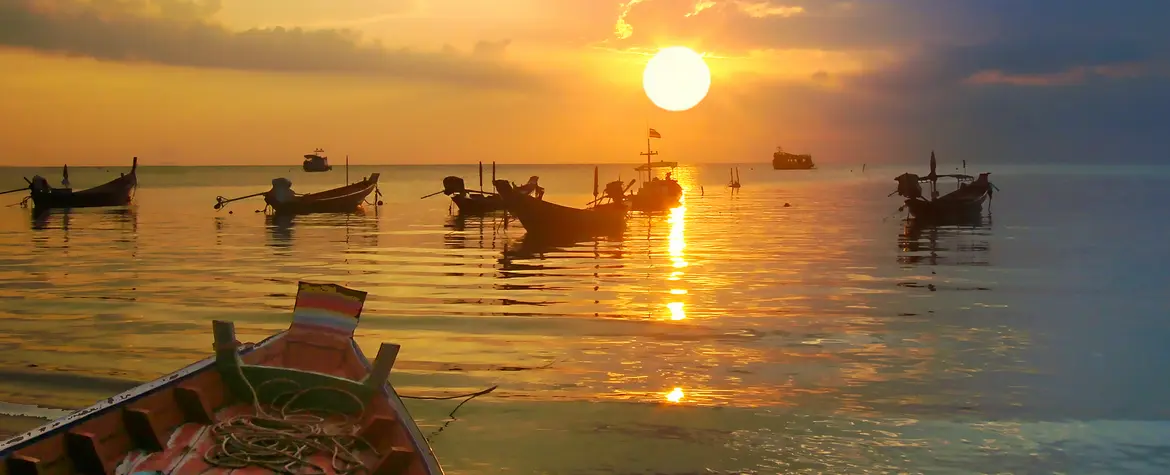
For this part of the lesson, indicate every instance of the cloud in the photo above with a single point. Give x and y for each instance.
(182, 33)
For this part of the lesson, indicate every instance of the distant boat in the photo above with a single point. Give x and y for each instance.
(315, 162)
(116, 192)
(965, 204)
(782, 160)
(655, 194)
(734, 183)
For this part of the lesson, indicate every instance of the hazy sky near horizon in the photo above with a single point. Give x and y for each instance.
(525, 81)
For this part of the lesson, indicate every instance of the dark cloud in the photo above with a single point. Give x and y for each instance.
(181, 33)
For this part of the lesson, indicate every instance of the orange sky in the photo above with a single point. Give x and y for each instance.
(515, 81)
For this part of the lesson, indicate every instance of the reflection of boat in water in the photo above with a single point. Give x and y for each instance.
(315, 162)
(655, 194)
(782, 160)
(308, 388)
(345, 199)
(356, 225)
(550, 219)
(116, 192)
(965, 204)
(926, 244)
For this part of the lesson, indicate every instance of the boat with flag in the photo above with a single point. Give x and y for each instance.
(964, 204)
(782, 160)
(305, 400)
(604, 216)
(655, 194)
(116, 192)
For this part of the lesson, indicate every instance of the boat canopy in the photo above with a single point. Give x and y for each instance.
(658, 164)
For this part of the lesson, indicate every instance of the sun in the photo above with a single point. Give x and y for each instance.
(676, 79)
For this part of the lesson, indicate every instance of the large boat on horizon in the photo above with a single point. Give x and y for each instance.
(315, 162)
(782, 160)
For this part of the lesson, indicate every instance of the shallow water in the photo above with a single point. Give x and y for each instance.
(826, 336)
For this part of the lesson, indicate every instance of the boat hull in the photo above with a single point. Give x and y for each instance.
(346, 199)
(116, 192)
(170, 425)
(960, 206)
(786, 161)
(477, 203)
(542, 218)
(658, 195)
(316, 168)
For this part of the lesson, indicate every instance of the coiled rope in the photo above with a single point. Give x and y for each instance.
(286, 439)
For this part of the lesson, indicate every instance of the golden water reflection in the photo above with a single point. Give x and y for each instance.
(675, 395)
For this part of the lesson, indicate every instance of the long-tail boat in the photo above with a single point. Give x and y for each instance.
(284, 201)
(655, 194)
(473, 202)
(543, 218)
(960, 205)
(305, 400)
(116, 192)
(344, 199)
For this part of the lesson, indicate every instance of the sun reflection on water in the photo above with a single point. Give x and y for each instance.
(675, 395)
(676, 310)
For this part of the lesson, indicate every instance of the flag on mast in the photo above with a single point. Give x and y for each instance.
(654, 134)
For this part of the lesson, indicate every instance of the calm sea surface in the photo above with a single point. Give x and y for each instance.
(822, 337)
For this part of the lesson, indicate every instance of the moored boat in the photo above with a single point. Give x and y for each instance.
(315, 162)
(544, 218)
(655, 194)
(345, 199)
(305, 400)
(116, 192)
(782, 160)
(961, 205)
(472, 202)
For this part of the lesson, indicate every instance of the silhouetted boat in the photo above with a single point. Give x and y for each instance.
(305, 400)
(655, 194)
(960, 206)
(345, 199)
(782, 160)
(314, 162)
(116, 192)
(472, 202)
(543, 218)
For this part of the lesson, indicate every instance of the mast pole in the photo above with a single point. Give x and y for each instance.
(347, 169)
(481, 175)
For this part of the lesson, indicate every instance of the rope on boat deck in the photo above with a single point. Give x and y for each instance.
(285, 440)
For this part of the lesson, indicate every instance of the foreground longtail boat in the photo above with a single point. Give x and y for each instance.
(305, 400)
(345, 199)
(543, 218)
(959, 206)
(116, 192)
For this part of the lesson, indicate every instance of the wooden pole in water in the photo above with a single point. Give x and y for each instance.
(595, 182)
